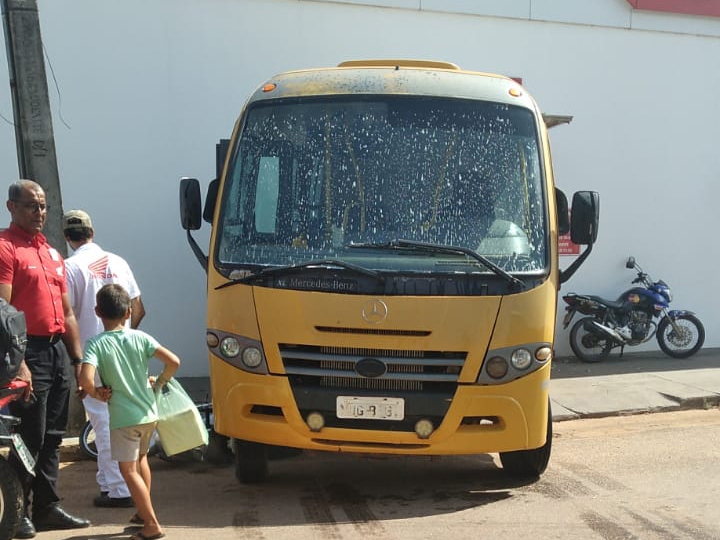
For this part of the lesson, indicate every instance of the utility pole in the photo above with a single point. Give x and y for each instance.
(33, 128)
(31, 109)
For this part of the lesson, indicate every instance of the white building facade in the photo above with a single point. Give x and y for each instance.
(146, 88)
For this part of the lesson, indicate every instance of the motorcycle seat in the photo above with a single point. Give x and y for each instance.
(612, 304)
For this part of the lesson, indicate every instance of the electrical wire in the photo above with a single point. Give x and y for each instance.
(57, 87)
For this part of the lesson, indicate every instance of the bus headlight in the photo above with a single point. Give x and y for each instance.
(238, 351)
(521, 359)
(251, 357)
(505, 364)
(212, 340)
(230, 347)
(543, 354)
(497, 367)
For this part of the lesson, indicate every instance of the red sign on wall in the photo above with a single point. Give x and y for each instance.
(566, 246)
(688, 7)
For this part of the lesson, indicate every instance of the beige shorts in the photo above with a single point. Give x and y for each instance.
(129, 443)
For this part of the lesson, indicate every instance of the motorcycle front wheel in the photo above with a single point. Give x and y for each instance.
(11, 499)
(587, 345)
(682, 340)
(87, 441)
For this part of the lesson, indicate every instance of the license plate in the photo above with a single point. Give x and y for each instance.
(370, 408)
(23, 453)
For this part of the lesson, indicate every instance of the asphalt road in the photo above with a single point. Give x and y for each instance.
(648, 477)
(610, 478)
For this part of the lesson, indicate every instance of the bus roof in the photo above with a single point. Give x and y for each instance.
(395, 77)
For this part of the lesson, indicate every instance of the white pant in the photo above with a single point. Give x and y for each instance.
(108, 475)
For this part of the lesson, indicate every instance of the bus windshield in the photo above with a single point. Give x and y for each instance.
(346, 178)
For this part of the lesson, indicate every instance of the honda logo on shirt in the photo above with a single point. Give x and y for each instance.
(99, 269)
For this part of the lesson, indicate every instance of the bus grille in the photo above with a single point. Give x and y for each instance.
(426, 380)
(335, 367)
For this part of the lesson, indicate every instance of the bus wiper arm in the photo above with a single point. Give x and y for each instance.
(280, 270)
(440, 248)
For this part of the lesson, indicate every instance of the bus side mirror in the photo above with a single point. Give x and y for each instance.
(563, 215)
(585, 217)
(190, 204)
(210, 199)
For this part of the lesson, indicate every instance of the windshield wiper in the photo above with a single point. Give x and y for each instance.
(440, 248)
(283, 270)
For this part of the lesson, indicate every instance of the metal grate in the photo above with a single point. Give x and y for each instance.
(426, 380)
(407, 370)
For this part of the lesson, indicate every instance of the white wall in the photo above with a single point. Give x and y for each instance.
(147, 88)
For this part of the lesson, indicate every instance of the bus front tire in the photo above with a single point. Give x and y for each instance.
(529, 463)
(251, 462)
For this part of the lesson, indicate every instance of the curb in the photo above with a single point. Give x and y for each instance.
(694, 403)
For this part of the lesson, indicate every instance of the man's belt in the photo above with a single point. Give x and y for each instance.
(39, 341)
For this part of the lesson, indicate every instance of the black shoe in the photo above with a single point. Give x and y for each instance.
(104, 501)
(57, 518)
(25, 529)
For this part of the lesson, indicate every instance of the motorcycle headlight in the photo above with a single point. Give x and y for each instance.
(663, 290)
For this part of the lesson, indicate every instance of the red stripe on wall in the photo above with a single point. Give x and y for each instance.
(710, 8)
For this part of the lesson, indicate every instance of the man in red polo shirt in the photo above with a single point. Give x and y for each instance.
(32, 278)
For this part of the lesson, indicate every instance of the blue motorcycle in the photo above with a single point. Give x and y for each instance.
(630, 320)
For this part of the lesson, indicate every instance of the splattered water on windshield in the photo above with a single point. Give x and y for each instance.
(310, 179)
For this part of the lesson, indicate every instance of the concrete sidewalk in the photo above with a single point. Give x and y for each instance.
(637, 383)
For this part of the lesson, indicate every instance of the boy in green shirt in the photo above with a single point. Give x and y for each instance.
(121, 357)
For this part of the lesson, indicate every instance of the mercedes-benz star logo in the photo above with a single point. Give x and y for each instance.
(374, 311)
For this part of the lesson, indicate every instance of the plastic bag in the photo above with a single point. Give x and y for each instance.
(180, 425)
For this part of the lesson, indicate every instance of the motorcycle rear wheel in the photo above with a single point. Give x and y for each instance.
(681, 344)
(589, 346)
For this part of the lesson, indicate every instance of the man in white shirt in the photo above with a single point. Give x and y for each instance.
(89, 268)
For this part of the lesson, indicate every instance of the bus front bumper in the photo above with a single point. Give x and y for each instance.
(480, 419)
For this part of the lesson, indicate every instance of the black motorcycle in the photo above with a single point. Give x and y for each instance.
(11, 493)
(630, 320)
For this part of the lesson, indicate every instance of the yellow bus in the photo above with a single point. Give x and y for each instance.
(382, 275)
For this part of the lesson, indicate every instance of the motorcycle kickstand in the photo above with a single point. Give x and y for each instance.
(622, 350)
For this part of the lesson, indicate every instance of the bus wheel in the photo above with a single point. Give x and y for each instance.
(529, 463)
(218, 450)
(251, 463)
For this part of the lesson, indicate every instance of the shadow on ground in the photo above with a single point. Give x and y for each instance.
(633, 362)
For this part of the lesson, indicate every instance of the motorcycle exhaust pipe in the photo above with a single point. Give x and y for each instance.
(609, 332)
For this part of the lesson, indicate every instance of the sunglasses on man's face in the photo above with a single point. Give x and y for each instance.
(33, 206)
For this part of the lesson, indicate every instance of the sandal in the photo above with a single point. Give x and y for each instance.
(137, 520)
